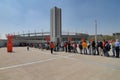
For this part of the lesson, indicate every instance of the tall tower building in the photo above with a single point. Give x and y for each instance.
(55, 24)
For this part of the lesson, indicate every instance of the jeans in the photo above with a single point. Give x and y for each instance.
(113, 51)
(117, 52)
(106, 53)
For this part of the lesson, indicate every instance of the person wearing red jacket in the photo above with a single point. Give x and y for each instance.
(65, 46)
(51, 47)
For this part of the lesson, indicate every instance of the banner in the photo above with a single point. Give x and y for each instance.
(69, 39)
(47, 38)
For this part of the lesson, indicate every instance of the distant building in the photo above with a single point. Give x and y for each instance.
(116, 35)
(36, 38)
(3, 42)
(99, 37)
(55, 24)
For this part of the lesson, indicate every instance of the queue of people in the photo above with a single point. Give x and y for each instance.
(102, 48)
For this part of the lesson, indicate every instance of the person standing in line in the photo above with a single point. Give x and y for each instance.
(62, 46)
(42, 45)
(65, 46)
(107, 49)
(100, 48)
(89, 47)
(104, 43)
(51, 47)
(27, 47)
(80, 47)
(75, 47)
(117, 45)
(113, 48)
(57, 47)
(69, 46)
(84, 45)
(93, 48)
(97, 48)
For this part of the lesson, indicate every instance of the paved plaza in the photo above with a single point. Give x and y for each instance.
(36, 64)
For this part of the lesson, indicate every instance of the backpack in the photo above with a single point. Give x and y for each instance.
(80, 46)
(108, 47)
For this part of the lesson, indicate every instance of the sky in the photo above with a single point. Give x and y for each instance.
(23, 16)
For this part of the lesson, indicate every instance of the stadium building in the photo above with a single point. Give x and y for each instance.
(56, 35)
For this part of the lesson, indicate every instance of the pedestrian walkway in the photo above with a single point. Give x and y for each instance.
(36, 64)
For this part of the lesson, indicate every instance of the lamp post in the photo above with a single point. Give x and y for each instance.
(96, 32)
(0, 35)
(42, 36)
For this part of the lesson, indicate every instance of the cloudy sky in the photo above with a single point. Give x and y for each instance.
(18, 16)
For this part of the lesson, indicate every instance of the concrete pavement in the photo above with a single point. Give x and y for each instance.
(41, 65)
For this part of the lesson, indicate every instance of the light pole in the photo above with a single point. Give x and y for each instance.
(42, 36)
(0, 35)
(96, 31)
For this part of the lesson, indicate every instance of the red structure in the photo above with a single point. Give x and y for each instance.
(69, 39)
(82, 40)
(9, 43)
(47, 38)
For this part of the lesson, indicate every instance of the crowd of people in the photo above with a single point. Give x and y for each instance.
(102, 48)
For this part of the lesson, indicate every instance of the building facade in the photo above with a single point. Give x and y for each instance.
(116, 35)
(55, 25)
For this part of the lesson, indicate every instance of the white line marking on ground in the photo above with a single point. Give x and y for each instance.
(116, 67)
(25, 64)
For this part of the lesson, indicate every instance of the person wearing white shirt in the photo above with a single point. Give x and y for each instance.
(117, 45)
